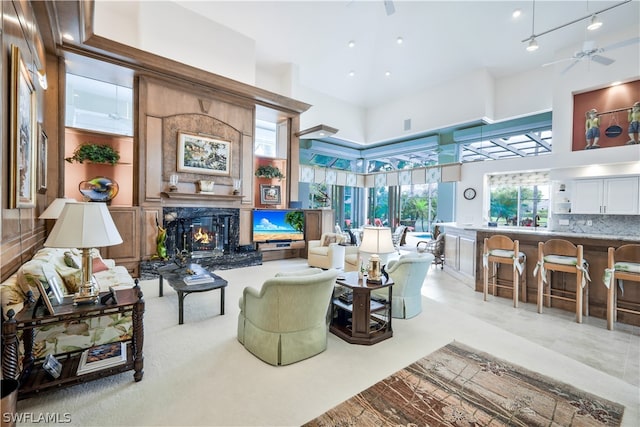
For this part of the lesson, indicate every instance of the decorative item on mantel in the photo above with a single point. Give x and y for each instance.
(206, 187)
(173, 182)
(236, 186)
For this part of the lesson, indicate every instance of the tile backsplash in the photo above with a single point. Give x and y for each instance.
(620, 225)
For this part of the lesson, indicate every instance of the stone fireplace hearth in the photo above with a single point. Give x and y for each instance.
(208, 235)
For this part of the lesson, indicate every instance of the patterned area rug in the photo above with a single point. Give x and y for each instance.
(459, 386)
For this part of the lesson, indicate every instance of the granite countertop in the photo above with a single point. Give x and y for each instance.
(541, 232)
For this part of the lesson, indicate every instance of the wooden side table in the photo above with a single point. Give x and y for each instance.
(364, 320)
(33, 378)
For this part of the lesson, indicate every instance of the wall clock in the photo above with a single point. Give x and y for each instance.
(469, 193)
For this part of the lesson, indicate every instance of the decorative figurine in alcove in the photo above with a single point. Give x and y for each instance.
(634, 124)
(592, 127)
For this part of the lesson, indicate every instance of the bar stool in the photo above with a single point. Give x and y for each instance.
(498, 250)
(563, 256)
(623, 264)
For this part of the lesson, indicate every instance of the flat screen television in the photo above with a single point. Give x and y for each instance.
(284, 225)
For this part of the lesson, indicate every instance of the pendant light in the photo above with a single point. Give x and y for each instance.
(533, 44)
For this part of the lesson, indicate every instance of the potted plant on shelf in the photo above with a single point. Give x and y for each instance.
(94, 153)
(269, 171)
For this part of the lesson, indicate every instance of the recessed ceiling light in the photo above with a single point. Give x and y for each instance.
(516, 14)
(616, 83)
(351, 43)
(352, 73)
(399, 40)
(67, 36)
(387, 73)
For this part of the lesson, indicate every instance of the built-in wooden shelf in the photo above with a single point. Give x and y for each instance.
(200, 196)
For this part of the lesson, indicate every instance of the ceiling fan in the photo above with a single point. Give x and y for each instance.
(593, 53)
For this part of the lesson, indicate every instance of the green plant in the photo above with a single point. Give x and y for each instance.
(269, 171)
(94, 153)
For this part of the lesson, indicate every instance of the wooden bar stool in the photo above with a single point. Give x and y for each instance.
(623, 264)
(498, 250)
(563, 256)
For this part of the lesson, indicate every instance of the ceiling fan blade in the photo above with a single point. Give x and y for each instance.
(570, 66)
(559, 61)
(389, 7)
(621, 44)
(602, 60)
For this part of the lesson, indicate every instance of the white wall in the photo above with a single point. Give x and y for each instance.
(583, 77)
(211, 46)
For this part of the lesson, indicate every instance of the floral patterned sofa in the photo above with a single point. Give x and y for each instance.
(62, 264)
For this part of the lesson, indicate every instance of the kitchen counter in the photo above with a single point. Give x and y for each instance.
(595, 252)
(544, 232)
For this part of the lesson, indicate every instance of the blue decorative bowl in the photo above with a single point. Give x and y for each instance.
(99, 189)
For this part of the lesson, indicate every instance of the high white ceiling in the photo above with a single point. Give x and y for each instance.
(442, 39)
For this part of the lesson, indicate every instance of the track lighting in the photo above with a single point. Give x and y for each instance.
(595, 23)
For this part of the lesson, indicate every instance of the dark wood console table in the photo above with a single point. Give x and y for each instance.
(363, 320)
(33, 378)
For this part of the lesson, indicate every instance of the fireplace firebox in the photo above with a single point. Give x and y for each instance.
(201, 232)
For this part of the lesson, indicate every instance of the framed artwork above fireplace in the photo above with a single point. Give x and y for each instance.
(203, 155)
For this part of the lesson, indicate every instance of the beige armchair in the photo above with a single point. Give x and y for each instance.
(286, 320)
(408, 274)
(327, 252)
(351, 258)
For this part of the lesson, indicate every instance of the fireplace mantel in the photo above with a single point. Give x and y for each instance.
(200, 196)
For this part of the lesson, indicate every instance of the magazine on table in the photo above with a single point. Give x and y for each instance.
(102, 356)
(198, 279)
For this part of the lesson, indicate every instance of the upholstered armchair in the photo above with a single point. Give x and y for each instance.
(327, 252)
(408, 274)
(286, 320)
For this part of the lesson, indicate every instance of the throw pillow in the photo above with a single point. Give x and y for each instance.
(98, 265)
(329, 239)
(72, 278)
(30, 274)
(70, 260)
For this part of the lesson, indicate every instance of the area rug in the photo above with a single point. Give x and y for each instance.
(459, 386)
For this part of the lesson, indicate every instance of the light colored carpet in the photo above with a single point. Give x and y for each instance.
(198, 373)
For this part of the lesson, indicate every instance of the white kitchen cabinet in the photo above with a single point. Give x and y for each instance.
(613, 196)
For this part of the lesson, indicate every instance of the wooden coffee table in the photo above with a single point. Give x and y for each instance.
(175, 275)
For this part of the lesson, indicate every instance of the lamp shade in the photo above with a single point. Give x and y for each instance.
(54, 210)
(84, 225)
(377, 240)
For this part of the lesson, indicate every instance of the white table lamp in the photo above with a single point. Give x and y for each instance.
(84, 226)
(376, 240)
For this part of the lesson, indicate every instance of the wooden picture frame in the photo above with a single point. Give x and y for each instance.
(23, 130)
(270, 194)
(43, 142)
(203, 155)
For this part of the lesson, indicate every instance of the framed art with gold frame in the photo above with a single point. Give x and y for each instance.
(204, 155)
(23, 138)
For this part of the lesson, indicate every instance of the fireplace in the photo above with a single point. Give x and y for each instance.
(210, 236)
(201, 232)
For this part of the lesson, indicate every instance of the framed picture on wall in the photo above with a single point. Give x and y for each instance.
(270, 194)
(23, 130)
(204, 155)
(42, 160)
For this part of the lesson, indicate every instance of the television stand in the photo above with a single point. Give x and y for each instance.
(274, 250)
